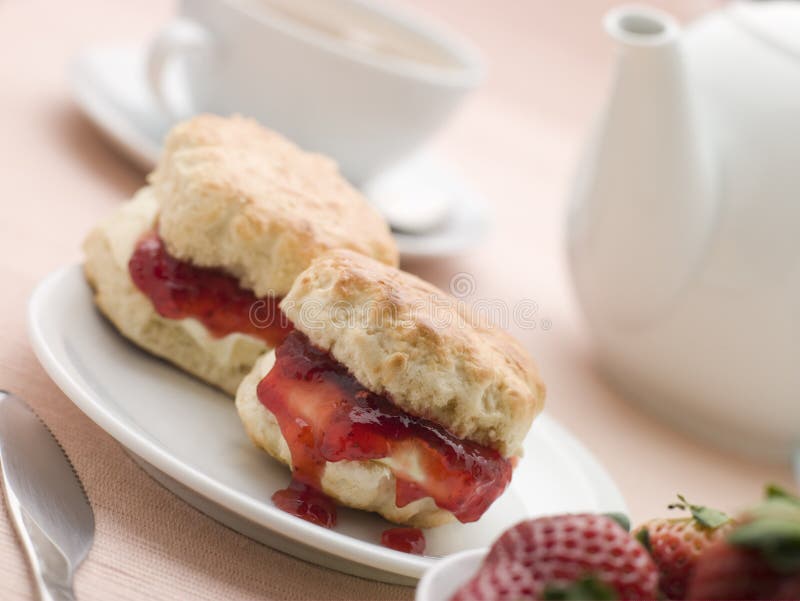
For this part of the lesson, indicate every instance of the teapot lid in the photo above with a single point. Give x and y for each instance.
(776, 23)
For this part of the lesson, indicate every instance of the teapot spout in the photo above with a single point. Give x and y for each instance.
(644, 202)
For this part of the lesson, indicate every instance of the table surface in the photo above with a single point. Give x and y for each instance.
(517, 138)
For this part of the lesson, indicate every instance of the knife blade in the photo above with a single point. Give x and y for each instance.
(45, 499)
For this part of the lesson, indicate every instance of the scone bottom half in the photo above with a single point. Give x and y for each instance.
(359, 445)
(200, 319)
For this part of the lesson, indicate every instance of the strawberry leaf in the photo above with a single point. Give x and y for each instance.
(620, 518)
(580, 590)
(705, 516)
(773, 491)
(776, 539)
(643, 536)
(772, 529)
(710, 518)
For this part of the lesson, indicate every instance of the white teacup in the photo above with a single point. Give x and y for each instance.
(354, 80)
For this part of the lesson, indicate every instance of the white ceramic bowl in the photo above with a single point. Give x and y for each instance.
(448, 574)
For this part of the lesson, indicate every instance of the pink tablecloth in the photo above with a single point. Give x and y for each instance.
(516, 139)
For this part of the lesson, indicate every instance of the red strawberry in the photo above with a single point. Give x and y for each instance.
(676, 544)
(558, 557)
(729, 572)
(789, 588)
(760, 558)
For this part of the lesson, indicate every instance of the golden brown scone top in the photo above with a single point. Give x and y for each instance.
(236, 195)
(400, 335)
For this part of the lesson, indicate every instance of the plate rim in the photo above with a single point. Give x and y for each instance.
(285, 525)
(272, 518)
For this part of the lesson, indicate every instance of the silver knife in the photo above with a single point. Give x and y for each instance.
(45, 499)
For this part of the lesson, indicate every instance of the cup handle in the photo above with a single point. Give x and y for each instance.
(178, 38)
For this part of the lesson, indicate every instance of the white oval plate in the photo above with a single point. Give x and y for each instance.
(188, 436)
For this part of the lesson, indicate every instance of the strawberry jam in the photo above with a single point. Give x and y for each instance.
(179, 289)
(325, 415)
(407, 540)
(306, 502)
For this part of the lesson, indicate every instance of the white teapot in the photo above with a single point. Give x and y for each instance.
(684, 230)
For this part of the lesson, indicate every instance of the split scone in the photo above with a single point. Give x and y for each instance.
(389, 396)
(193, 268)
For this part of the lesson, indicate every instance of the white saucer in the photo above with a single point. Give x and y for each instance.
(188, 436)
(109, 85)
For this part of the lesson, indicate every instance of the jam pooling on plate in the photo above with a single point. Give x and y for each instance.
(326, 415)
(408, 540)
(307, 502)
(179, 289)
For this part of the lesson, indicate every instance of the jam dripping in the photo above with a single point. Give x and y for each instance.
(407, 540)
(325, 415)
(306, 502)
(179, 289)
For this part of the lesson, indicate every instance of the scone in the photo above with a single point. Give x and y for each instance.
(389, 396)
(192, 269)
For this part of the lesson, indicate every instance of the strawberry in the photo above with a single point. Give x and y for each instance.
(760, 557)
(564, 557)
(729, 572)
(676, 544)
